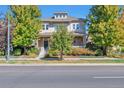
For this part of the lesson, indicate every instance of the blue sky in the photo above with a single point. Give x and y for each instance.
(73, 10)
(79, 11)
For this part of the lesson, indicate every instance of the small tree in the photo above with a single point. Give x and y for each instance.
(27, 25)
(61, 40)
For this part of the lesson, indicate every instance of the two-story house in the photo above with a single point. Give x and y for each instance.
(75, 25)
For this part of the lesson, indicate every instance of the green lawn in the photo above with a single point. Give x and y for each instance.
(64, 61)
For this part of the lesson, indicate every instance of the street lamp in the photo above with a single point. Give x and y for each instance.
(8, 38)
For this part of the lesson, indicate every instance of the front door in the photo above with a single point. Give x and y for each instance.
(46, 44)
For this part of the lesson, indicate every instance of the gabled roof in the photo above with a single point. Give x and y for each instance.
(60, 13)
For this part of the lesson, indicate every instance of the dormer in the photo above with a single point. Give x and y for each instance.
(60, 15)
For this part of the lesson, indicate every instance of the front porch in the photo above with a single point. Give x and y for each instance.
(43, 44)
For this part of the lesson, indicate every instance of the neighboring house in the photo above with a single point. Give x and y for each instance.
(49, 25)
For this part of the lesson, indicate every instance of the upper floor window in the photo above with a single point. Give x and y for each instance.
(56, 16)
(76, 26)
(60, 16)
(45, 26)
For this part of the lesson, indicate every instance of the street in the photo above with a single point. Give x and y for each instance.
(62, 76)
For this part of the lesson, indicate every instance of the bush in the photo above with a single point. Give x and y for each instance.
(99, 52)
(53, 53)
(81, 51)
(92, 46)
(74, 52)
(32, 52)
(122, 49)
(17, 52)
(1, 53)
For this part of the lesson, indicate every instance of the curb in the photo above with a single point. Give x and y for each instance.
(93, 64)
(36, 59)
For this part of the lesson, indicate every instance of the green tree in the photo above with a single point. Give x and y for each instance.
(121, 32)
(2, 35)
(27, 25)
(61, 40)
(104, 26)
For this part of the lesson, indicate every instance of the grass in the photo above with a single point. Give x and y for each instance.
(63, 61)
(92, 56)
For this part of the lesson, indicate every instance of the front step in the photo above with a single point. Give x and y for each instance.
(42, 53)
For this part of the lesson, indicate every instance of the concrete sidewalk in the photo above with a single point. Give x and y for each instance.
(20, 59)
(35, 59)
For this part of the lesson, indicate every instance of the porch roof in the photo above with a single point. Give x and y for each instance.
(48, 34)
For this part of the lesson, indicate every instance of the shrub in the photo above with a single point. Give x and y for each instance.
(32, 52)
(53, 53)
(99, 52)
(122, 49)
(17, 52)
(74, 52)
(92, 46)
(81, 51)
(1, 53)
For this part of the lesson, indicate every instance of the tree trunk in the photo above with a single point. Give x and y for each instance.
(25, 51)
(61, 55)
(104, 50)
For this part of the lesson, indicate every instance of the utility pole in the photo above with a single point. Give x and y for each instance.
(8, 39)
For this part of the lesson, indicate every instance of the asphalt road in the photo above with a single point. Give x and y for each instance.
(62, 76)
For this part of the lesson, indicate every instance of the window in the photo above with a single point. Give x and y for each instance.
(45, 27)
(56, 16)
(74, 42)
(60, 16)
(78, 26)
(74, 26)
